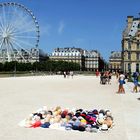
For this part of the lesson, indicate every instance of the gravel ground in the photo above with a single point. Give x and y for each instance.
(20, 96)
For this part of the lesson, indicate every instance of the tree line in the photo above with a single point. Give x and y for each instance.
(49, 65)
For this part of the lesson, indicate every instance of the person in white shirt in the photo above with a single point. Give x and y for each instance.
(121, 82)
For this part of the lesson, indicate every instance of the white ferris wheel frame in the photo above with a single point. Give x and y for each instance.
(11, 38)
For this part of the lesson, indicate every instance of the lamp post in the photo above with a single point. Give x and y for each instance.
(15, 69)
(68, 62)
(75, 62)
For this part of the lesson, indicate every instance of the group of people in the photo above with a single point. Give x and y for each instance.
(122, 78)
(68, 73)
(105, 77)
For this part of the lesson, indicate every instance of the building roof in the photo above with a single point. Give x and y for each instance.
(131, 30)
(92, 53)
(115, 54)
(68, 49)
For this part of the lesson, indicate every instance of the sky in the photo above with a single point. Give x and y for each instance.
(86, 24)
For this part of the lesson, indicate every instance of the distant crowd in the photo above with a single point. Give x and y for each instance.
(68, 74)
(105, 77)
(122, 78)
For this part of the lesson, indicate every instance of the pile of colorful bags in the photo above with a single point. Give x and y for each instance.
(66, 119)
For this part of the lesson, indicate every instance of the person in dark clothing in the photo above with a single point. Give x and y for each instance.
(135, 81)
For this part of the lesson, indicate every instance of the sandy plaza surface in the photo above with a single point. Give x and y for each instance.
(19, 96)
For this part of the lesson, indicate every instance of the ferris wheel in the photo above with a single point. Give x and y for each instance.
(19, 33)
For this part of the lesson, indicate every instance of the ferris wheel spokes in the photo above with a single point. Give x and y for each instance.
(18, 53)
(21, 48)
(19, 33)
(22, 42)
(29, 37)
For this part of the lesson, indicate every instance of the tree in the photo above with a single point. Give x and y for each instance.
(1, 67)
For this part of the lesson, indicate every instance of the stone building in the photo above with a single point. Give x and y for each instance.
(93, 60)
(22, 55)
(68, 54)
(115, 61)
(131, 45)
(88, 60)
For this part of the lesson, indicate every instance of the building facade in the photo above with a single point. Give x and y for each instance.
(88, 60)
(23, 55)
(131, 45)
(67, 54)
(115, 61)
(93, 60)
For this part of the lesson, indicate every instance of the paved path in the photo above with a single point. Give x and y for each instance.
(20, 96)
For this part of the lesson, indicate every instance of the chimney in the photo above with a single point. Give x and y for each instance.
(129, 21)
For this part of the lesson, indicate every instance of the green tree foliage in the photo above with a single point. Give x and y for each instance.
(9, 66)
(1, 67)
(48, 65)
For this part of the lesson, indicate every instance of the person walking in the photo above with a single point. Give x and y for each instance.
(64, 74)
(109, 77)
(97, 73)
(135, 81)
(121, 83)
(71, 74)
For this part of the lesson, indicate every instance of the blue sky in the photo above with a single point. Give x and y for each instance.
(88, 24)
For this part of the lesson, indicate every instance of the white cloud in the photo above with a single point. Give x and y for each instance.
(61, 27)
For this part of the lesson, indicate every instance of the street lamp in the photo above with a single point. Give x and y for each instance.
(15, 69)
(75, 62)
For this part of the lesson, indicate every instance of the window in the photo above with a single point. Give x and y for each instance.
(129, 45)
(129, 67)
(137, 56)
(129, 55)
(138, 45)
(139, 25)
(137, 67)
